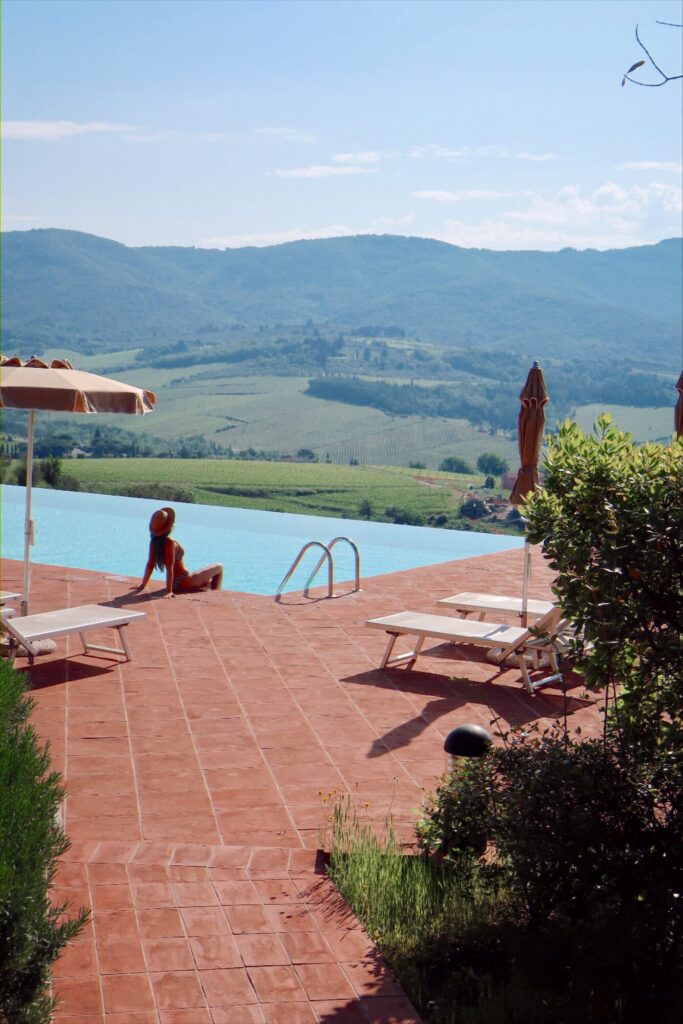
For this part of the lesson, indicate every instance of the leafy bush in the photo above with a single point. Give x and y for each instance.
(365, 509)
(591, 860)
(453, 464)
(33, 931)
(492, 465)
(610, 518)
(51, 470)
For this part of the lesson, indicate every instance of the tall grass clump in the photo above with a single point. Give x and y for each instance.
(33, 930)
(417, 911)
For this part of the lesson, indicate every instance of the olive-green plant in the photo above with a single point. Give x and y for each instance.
(610, 519)
(590, 857)
(33, 930)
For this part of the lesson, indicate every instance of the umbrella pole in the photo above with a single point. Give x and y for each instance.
(525, 582)
(28, 525)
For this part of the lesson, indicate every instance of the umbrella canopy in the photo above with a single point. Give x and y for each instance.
(678, 412)
(533, 398)
(57, 387)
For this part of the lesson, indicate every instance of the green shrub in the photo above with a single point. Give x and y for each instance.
(33, 931)
(590, 852)
(454, 464)
(610, 518)
(491, 464)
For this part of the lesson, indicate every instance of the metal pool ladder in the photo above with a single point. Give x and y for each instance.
(327, 554)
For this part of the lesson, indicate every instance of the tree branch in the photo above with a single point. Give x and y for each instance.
(665, 78)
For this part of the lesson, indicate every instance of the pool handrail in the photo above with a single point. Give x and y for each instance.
(325, 555)
(356, 558)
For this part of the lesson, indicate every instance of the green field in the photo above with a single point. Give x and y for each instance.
(643, 424)
(313, 489)
(273, 414)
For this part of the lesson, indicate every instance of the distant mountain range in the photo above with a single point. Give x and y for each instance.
(65, 288)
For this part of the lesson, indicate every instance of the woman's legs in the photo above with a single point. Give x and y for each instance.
(210, 576)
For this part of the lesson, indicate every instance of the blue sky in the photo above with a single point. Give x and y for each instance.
(486, 124)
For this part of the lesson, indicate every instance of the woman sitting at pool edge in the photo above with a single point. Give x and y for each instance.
(165, 553)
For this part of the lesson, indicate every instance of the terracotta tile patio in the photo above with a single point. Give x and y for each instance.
(201, 778)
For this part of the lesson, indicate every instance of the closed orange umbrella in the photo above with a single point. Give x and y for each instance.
(530, 424)
(678, 411)
(57, 387)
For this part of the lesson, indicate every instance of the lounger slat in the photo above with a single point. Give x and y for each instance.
(441, 627)
(48, 625)
(472, 602)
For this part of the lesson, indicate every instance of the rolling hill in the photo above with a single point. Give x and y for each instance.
(65, 288)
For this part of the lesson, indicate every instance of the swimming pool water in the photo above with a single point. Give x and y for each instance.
(109, 534)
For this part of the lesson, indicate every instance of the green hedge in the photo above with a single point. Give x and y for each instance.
(33, 931)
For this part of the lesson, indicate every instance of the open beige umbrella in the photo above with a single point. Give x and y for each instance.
(678, 411)
(533, 398)
(57, 387)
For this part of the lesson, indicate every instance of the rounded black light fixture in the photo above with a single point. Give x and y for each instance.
(467, 741)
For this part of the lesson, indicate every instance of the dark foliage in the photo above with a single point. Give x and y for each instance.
(416, 400)
(454, 464)
(33, 930)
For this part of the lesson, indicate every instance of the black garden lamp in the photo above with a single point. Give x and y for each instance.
(466, 741)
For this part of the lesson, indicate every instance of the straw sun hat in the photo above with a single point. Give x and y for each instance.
(161, 522)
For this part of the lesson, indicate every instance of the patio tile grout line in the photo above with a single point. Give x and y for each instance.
(350, 701)
(360, 711)
(187, 722)
(247, 719)
(130, 743)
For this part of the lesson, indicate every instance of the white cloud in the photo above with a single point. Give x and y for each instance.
(18, 218)
(475, 153)
(534, 157)
(606, 217)
(323, 171)
(652, 165)
(463, 195)
(608, 204)
(261, 238)
(501, 234)
(175, 135)
(286, 134)
(369, 157)
(52, 131)
(420, 152)
(390, 222)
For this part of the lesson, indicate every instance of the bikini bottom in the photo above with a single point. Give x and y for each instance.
(177, 580)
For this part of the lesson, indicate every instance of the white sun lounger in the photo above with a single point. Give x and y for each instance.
(510, 639)
(473, 603)
(28, 629)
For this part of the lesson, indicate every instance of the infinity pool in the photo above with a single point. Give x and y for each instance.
(109, 534)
